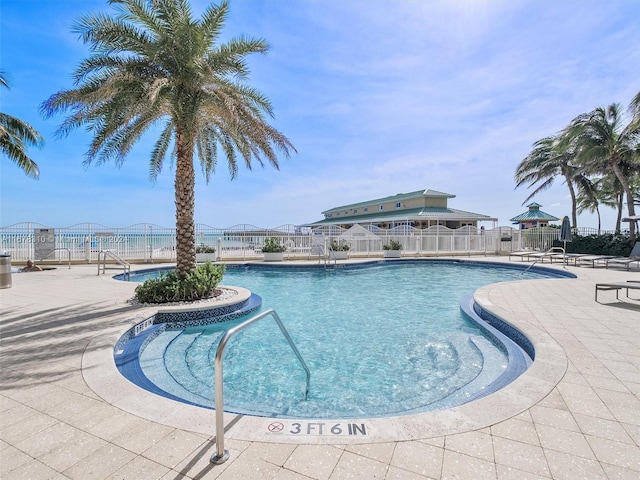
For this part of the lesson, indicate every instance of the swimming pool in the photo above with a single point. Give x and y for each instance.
(385, 338)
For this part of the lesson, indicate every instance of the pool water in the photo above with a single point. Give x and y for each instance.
(382, 340)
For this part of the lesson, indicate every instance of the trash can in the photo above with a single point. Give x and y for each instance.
(5, 271)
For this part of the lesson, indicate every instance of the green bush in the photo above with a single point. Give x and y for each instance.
(202, 248)
(170, 287)
(609, 244)
(272, 245)
(392, 245)
(340, 246)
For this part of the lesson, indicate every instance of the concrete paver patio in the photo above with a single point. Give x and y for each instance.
(64, 414)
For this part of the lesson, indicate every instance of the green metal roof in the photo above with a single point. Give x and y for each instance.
(533, 215)
(415, 214)
(393, 198)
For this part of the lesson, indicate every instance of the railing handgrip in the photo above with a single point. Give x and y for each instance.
(221, 454)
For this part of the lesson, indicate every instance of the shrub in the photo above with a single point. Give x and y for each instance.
(392, 245)
(339, 246)
(202, 248)
(272, 245)
(170, 287)
(610, 244)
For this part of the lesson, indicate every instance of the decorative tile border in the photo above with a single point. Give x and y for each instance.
(196, 318)
(507, 338)
(507, 329)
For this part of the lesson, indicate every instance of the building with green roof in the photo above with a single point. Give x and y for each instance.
(534, 217)
(419, 209)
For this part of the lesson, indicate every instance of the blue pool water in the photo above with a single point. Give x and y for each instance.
(383, 340)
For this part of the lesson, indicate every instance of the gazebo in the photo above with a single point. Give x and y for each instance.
(534, 217)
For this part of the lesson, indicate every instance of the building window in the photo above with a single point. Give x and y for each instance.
(355, 210)
(381, 207)
(366, 209)
(399, 205)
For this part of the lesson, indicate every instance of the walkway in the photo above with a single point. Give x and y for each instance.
(63, 413)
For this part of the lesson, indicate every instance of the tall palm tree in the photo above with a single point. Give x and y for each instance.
(606, 145)
(587, 198)
(153, 63)
(612, 195)
(551, 157)
(15, 136)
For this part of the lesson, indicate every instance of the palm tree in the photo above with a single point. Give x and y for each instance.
(588, 198)
(634, 108)
(551, 157)
(15, 136)
(606, 146)
(153, 63)
(612, 196)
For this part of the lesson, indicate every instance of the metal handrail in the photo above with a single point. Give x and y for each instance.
(317, 249)
(221, 454)
(56, 249)
(549, 252)
(327, 259)
(104, 253)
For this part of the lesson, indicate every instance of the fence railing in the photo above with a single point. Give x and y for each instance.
(152, 243)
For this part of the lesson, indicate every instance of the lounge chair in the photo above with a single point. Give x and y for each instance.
(552, 256)
(555, 253)
(617, 286)
(592, 259)
(634, 257)
(525, 254)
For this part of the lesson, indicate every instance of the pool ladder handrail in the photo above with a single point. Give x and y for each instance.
(103, 266)
(221, 454)
(68, 250)
(327, 259)
(549, 252)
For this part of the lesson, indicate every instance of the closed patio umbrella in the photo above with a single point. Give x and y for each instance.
(565, 231)
(565, 235)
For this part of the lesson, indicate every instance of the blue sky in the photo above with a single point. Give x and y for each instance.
(378, 98)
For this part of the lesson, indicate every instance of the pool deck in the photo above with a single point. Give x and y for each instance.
(66, 413)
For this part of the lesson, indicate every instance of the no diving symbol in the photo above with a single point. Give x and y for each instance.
(276, 427)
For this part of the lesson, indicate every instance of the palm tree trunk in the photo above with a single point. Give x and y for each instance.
(620, 203)
(574, 208)
(630, 206)
(185, 207)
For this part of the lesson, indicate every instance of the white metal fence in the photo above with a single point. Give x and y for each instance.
(152, 243)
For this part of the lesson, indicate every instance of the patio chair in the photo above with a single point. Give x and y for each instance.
(592, 259)
(524, 254)
(575, 257)
(555, 253)
(617, 286)
(634, 257)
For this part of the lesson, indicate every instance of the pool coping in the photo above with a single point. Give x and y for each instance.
(550, 364)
